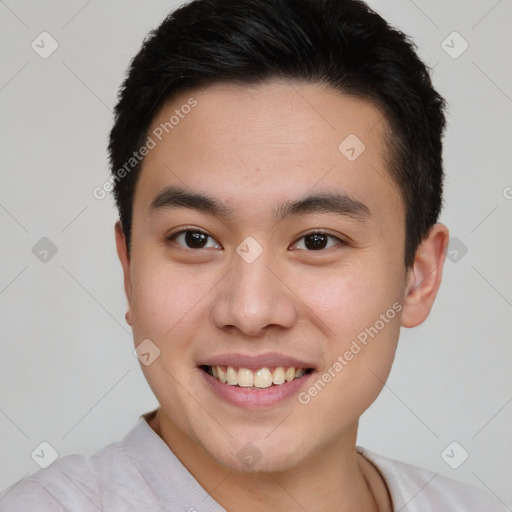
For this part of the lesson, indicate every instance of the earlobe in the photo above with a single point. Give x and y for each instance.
(424, 278)
(124, 258)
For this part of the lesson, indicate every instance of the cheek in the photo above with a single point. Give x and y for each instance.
(350, 298)
(166, 298)
(167, 307)
(360, 304)
(364, 323)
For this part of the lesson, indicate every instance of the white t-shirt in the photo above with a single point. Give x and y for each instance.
(140, 473)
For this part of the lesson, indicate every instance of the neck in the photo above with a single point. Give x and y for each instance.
(336, 478)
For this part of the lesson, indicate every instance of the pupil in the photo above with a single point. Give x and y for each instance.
(195, 239)
(316, 241)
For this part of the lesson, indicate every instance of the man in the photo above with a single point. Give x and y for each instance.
(277, 168)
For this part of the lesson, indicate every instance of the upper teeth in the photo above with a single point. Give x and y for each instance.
(262, 378)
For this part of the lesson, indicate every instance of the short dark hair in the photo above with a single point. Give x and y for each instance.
(340, 43)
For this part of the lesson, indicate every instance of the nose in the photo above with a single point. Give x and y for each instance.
(253, 299)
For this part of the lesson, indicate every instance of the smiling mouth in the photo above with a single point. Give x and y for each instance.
(259, 379)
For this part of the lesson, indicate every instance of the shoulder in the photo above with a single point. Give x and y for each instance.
(75, 483)
(415, 489)
(139, 473)
(70, 483)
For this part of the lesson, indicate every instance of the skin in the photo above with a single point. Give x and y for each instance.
(253, 148)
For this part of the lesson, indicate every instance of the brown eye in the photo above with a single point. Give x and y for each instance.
(317, 242)
(194, 239)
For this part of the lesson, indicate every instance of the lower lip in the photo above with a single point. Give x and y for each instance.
(262, 398)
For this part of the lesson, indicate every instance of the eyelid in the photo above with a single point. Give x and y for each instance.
(184, 229)
(320, 232)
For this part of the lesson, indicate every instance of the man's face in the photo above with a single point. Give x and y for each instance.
(295, 261)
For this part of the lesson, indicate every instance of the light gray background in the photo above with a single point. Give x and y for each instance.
(67, 372)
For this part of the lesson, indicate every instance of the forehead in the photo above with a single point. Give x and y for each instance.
(268, 143)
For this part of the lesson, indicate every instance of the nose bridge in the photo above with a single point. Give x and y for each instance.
(252, 297)
(251, 280)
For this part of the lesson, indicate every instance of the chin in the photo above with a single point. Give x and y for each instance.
(256, 456)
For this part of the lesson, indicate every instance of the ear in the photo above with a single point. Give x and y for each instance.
(424, 278)
(124, 258)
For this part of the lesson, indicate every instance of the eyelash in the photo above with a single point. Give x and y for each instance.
(322, 233)
(174, 236)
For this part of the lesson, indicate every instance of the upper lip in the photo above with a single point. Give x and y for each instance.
(255, 361)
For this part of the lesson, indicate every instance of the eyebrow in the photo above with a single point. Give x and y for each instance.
(337, 203)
